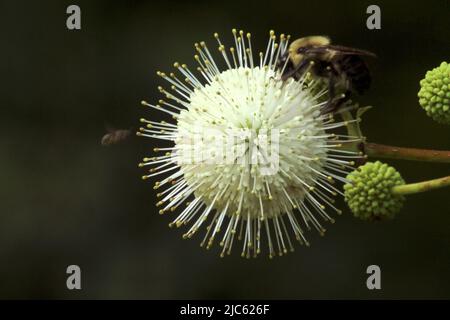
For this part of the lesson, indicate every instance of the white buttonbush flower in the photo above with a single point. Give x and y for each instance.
(253, 157)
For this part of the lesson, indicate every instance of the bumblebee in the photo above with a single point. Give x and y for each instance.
(343, 68)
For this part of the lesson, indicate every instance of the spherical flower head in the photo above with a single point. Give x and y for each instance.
(260, 119)
(368, 192)
(434, 94)
(254, 157)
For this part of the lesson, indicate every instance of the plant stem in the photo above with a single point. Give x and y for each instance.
(352, 127)
(390, 152)
(353, 130)
(421, 186)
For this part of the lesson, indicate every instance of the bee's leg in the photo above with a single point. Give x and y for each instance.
(334, 102)
(295, 72)
(331, 92)
(339, 101)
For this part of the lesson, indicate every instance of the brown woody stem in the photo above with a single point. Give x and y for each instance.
(390, 152)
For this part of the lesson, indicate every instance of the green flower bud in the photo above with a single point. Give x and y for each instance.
(434, 94)
(369, 191)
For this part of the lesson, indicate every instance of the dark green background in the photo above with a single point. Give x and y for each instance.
(67, 200)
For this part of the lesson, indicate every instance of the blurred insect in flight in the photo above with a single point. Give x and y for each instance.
(342, 67)
(114, 136)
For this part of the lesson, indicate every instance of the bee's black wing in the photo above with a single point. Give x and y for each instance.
(339, 50)
(353, 51)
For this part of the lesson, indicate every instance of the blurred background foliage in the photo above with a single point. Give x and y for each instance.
(67, 200)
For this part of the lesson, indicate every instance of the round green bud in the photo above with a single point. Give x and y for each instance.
(368, 192)
(434, 94)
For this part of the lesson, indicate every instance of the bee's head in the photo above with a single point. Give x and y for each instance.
(299, 46)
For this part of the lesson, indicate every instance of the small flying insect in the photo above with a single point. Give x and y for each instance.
(115, 136)
(342, 67)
